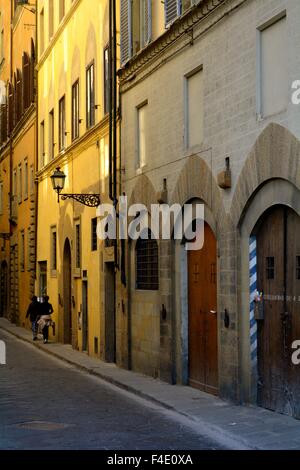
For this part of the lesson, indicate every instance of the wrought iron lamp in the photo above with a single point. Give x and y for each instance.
(58, 183)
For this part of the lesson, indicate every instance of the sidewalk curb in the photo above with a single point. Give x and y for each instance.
(214, 431)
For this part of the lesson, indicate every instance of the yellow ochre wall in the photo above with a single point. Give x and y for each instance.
(79, 39)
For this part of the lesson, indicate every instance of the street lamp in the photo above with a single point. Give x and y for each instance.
(58, 179)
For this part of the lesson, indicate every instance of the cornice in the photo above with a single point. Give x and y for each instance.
(75, 149)
(182, 26)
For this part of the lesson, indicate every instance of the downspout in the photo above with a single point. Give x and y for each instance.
(36, 184)
(12, 314)
(110, 68)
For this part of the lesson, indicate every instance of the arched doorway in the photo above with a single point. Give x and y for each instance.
(203, 322)
(278, 324)
(3, 289)
(67, 280)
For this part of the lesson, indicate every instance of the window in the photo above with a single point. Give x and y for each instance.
(43, 278)
(75, 110)
(298, 268)
(42, 32)
(42, 144)
(15, 183)
(26, 179)
(53, 254)
(62, 123)
(136, 26)
(51, 19)
(94, 239)
(20, 185)
(141, 136)
(51, 134)
(62, 9)
(28, 248)
(194, 109)
(147, 264)
(26, 73)
(31, 180)
(1, 43)
(106, 80)
(77, 248)
(172, 10)
(270, 263)
(22, 250)
(1, 198)
(273, 66)
(90, 96)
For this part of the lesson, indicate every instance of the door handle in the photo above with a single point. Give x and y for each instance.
(213, 312)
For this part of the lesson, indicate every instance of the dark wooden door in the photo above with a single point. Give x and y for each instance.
(110, 313)
(278, 250)
(84, 315)
(293, 311)
(67, 279)
(203, 327)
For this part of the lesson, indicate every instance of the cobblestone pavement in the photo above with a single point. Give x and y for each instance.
(46, 404)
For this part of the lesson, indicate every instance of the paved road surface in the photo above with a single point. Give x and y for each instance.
(46, 404)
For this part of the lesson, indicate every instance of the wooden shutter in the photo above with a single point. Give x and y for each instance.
(32, 87)
(148, 21)
(26, 80)
(172, 10)
(126, 30)
(18, 96)
(10, 108)
(3, 123)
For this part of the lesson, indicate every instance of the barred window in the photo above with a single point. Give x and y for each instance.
(147, 264)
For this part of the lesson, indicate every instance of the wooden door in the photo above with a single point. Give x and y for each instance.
(270, 266)
(203, 323)
(278, 255)
(293, 311)
(110, 313)
(84, 315)
(67, 279)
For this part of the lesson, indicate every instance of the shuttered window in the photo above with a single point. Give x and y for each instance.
(172, 10)
(10, 108)
(18, 96)
(3, 123)
(32, 74)
(26, 80)
(126, 44)
(136, 26)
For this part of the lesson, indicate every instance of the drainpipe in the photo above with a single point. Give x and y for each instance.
(12, 314)
(110, 72)
(35, 169)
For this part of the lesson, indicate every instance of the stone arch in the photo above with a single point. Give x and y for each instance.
(75, 69)
(275, 154)
(91, 45)
(143, 193)
(196, 181)
(62, 82)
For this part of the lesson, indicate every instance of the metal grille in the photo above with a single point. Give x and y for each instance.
(270, 268)
(94, 234)
(298, 268)
(147, 264)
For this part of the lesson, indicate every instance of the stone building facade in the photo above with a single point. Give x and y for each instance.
(208, 117)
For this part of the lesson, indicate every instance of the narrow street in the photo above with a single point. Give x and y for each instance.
(46, 404)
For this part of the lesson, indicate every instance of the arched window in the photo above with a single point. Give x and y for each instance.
(146, 256)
